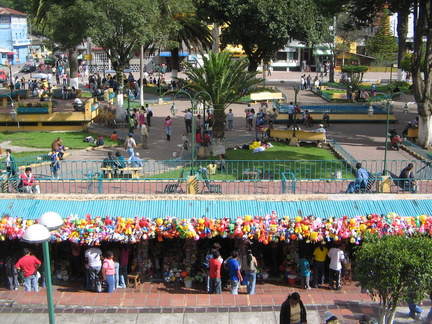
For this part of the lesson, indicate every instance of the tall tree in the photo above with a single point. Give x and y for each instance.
(223, 78)
(120, 27)
(382, 46)
(54, 17)
(263, 27)
(191, 32)
(394, 269)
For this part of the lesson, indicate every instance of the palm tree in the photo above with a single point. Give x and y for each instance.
(192, 33)
(223, 78)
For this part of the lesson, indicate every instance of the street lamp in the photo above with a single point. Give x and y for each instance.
(294, 140)
(388, 107)
(40, 233)
(193, 136)
(13, 114)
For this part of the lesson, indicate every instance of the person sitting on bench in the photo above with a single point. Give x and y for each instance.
(406, 179)
(362, 177)
(28, 183)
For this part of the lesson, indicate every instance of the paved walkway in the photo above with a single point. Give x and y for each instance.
(163, 303)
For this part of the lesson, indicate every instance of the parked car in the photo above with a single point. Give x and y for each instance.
(28, 69)
(3, 77)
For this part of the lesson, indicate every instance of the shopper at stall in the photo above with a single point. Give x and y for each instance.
(215, 266)
(234, 272)
(293, 311)
(94, 263)
(29, 265)
(320, 256)
(249, 265)
(108, 271)
(336, 256)
(305, 272)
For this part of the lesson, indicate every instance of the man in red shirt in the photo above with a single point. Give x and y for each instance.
(215, 274)
(29, 264)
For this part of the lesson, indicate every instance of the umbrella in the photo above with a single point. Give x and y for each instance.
(109, 71)
(40, 76)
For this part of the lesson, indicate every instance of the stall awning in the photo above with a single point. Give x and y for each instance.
(322, 51)
(168, 54)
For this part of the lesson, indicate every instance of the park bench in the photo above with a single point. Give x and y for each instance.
(339, 95)
(264, 96)
(133, 171)
(172, 188)
(412, 134)
(402, 185)
(301, 135)
(211, 187)
(373, 178)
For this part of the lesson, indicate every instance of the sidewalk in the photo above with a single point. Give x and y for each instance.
(171, 303)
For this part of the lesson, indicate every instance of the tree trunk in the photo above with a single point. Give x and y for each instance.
(120, 111)
(218, 146)
(422, 85)
(175, 60)
(216, 35)
(402, 30)
(218, 127)
(73, 66)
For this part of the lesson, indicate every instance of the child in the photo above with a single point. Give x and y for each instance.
(304, 272)
(114, 136)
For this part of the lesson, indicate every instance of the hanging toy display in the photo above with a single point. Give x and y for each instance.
(264, 229)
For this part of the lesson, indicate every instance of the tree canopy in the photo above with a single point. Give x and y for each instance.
(223, 78)
(394, 269)
(263, 27)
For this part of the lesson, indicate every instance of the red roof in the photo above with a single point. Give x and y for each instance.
(8, 11)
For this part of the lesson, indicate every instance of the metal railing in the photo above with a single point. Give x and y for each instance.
(97, 185)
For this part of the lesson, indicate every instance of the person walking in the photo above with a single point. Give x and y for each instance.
(293, 311)
(249, 265)
(108, 271)
(250, 118)
(55, 164)
(130, 146)
(291, 110)
(168, 125)
(29, 265)
(188, 121)
(230, 120)
(11, 165)
(145, 135)
(149, 115)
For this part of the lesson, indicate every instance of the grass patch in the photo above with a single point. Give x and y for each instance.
(23, 158)
(43, 140)
(305, 162)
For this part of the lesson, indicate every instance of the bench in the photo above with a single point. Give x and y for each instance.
(403, 185)
(301, 135)
(412, 134)
(32, 110)
(132, 170)
(339, 95)
(369, 186)
(266, 96)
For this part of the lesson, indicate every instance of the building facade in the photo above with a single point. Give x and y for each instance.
(14, 38)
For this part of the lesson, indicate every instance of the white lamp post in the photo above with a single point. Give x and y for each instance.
(40, 233)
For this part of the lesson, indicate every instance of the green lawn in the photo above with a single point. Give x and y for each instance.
(43, 140)
(305, 162)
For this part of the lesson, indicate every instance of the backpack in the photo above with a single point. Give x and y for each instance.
(10, 266)
(89, 139)
(150, 113)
